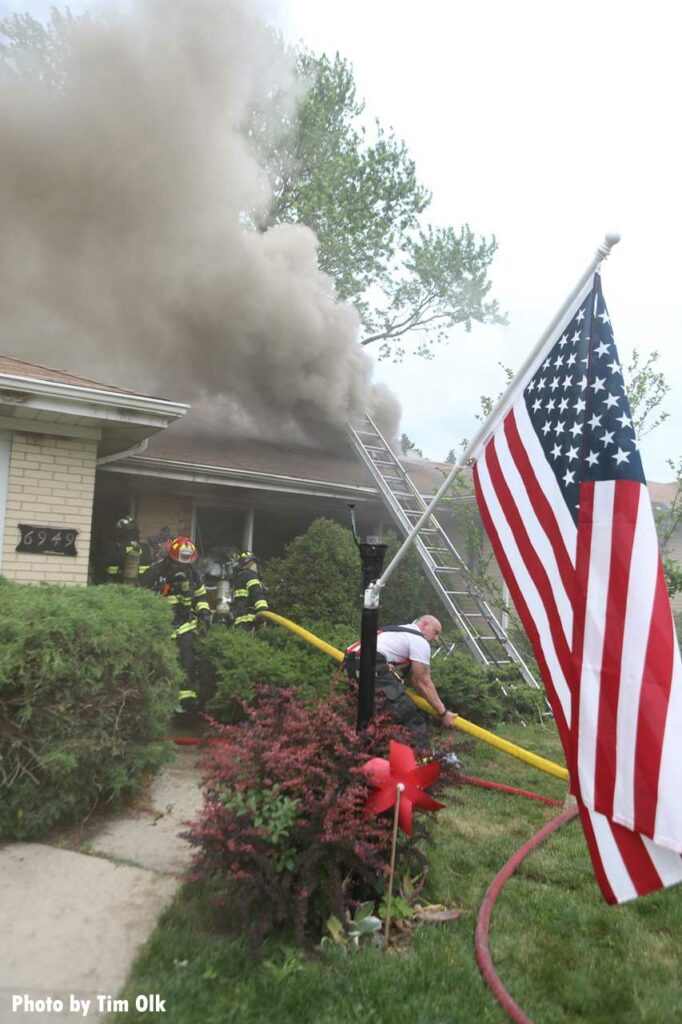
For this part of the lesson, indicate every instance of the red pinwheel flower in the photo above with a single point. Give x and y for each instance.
(400, 768)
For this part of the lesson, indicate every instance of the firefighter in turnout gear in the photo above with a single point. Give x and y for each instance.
(179, 582)
(249, 592)
(404, 653)
(125, 558)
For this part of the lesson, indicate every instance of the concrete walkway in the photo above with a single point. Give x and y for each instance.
(72, 923)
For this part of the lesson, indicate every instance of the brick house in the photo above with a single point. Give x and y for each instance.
(55, 429)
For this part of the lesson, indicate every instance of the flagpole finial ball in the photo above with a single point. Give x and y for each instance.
(610, 239)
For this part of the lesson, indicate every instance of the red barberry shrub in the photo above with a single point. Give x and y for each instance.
(283, 837)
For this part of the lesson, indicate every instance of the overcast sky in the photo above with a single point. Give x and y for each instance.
(543, 124)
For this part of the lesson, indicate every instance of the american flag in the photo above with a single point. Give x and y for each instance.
(563, 497)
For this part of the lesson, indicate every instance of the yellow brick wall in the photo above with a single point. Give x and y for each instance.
(155, 511)
(51, 483)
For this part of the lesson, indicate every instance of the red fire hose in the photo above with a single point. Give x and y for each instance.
(473, 780)
(483, 923)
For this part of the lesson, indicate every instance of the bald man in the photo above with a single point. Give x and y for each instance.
(404, 653)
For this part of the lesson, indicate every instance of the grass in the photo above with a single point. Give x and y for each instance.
(563, 954)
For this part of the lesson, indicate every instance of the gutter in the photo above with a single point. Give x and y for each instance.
(198, 473)
(136, 449)
(96, 396)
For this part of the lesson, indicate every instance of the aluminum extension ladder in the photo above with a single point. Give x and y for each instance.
(446, 570)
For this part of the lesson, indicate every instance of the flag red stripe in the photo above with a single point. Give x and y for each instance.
(540, 503)
(527, 620)
(530, 557)
(595, 856)
(653, 707)
(637, 863)
(640, 867)
(624, 522)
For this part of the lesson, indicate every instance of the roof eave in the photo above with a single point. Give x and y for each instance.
(253, 479)
(68, 398)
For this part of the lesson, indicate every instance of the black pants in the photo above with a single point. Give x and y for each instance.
(402, 709)
(185, 644)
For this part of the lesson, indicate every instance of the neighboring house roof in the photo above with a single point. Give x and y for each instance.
(662, 494)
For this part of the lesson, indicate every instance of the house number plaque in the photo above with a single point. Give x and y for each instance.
(47, 540)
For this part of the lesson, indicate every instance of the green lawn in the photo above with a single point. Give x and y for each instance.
(561, 952)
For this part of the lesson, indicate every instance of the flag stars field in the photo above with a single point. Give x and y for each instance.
(597, 398)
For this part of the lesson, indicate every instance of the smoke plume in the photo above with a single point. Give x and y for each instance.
(127, 195)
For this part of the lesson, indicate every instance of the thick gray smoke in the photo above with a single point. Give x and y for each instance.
(125, 251)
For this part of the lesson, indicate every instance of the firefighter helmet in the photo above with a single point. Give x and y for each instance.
(125, 524)
(183, 550)
(244, 558)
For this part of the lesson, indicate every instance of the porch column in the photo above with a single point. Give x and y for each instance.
(247, 536)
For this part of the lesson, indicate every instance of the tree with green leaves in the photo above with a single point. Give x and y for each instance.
(358, 191)
(407, 446)
(35, 51)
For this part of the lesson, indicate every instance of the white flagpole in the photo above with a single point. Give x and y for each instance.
(505, 402)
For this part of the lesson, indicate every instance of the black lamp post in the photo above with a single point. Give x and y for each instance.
(372, 559)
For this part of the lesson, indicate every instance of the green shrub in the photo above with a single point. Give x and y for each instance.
(319, 579)
(88, 680)
(483, 695)
(230, 662)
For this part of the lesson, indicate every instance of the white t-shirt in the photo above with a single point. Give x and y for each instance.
(399, 648)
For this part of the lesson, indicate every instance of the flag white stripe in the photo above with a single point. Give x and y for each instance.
(536, 533)
(527, 587)
(640, 600)
(593, 641)
(668, 830)
(612, 861)
(546, 479)
(667, 862)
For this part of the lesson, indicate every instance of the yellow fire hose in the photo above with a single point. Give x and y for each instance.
(460, 723)
(333, 652)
